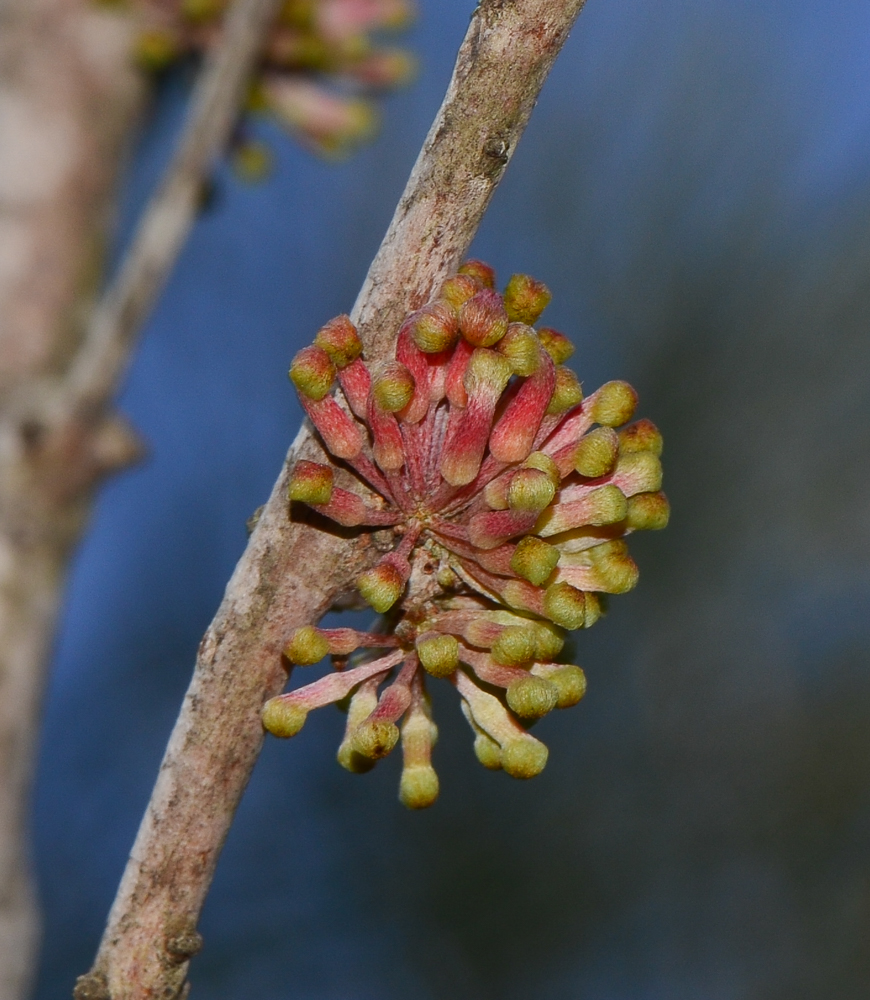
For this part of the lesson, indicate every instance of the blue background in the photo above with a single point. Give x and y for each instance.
(695, 189)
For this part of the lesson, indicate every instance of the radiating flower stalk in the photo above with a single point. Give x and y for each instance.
(320, 67)
(507, 497)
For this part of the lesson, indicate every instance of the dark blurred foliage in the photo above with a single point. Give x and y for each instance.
(695, 189)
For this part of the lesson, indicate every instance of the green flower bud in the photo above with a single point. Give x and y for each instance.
(532, 697)
(530, 489)
(569, 681)
(312, 372)
(307, 645)
(487, 751)
(565, 605)
(522, 349)
(643, 435)
(524, 758)
(648, 512)
(375, 738)
(541, 461)
(548, 640)
(439, 655)
(310, 482)
(393, 387)
(567, 392)
(514, 647)
(534, 560)
(482, 319)
(418, 787)
(556, 344)
(434, 328)
(525, 299)
(340, 340)
(381, 587)
(456, 291)
(283, 718)
(615, 402)
(596, 452)
(480, 272)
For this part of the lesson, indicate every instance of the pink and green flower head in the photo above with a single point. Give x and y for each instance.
(508, 496)
(320, 67)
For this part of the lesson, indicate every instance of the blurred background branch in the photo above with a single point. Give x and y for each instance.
(68, 101)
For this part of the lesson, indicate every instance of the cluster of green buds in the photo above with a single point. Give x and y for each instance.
(508, 496)
(319, 68)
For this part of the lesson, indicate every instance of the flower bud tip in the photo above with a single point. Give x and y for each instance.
(418, 787)
(525, 757)
(283, 718)
(375, 738)
(307, 645)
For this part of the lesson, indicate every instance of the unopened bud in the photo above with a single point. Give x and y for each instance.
(596, 452)
(482, 319)
(525, 757)
(362, 703)
(648, 512)
(439, 655)
(514, 647)
(381, 586)
(487, 751)
(340, 340)
(312, 372)
(556, 344)
(639, 472)
(393, 387)
(530, 489)
(614, 403)
(307, 645)
(434, 328)
(525, 298)
(456, 291)
(616, 569)
(534, 559)
(480, 271)
(486, 372)
(549, 639)
(542, 461)
(311, 483)
(532, 697)
(418, 786)
(567, 392)
(569, 681)
(375, 738)
(643, 435)
(521, 347)
(594, 610)
(565, 605)
(283, 718)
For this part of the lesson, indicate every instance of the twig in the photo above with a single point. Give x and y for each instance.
(290, 574)
(164, 225)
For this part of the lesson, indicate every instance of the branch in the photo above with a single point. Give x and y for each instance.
(290, 574)
(161, 233)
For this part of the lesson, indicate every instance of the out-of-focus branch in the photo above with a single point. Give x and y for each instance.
(290, 574)
(164, 225)
(68, 100)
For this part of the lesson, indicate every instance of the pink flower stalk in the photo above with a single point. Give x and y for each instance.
(318, 69)
(508, 496)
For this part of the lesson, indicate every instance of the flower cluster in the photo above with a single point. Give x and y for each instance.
(508, 496)
(319, 64)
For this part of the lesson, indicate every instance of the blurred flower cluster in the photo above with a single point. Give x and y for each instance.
(504, 497)
(320, 66)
